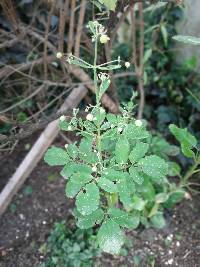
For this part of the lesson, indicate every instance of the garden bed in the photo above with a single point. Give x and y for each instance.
(41, 202)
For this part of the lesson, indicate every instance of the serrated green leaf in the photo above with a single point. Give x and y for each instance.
(122, 150)
(186, 139)
(85, 222)
(136, 176)
(72, 167)
(107, 185)
(113, 175)
(154, 166)
(138, 203)
(124, 219)
(110, 237)
(72, 150)
(158, 221)
(63, 125)
(124, 194)
(56, 156)
(134, 132)
(146, 190)
(138, 151)
(87, 200)
(76, 182)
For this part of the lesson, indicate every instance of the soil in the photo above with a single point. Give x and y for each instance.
(41, 202)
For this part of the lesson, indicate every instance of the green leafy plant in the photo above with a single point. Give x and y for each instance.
(115, 180)
(70, 248)
(189, 149)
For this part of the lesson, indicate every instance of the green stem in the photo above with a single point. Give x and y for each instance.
(97, 101)
(190, 172)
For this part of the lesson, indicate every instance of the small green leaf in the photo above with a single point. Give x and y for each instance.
(164, 34)
(186, 139)
(138, 151)
(63, 125)
(103, 87)
(76, 182)
(124, 194)
(87, 200)
(161, 197)
(56, 156)
(110, 4)
(158, 220)
(134, 132)
(154, 166)
(85, 222)
(107, 185)
(110, 237)
(72, 168)
(124, 219)
(122, 150)
(174, 198)
(147, 55)
(72, 188)
(147, 190)
(110, 67)
(72, 150)
(136, 176)
(138, 203)
(187, 39)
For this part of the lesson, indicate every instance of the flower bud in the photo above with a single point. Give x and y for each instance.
(104, 38)
(66, 146)
(89, 117)
(62, 118)
(127, 65)
(59, 55)
(94, 168)
(138, 123)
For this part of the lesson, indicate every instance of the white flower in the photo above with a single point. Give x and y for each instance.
(104, 38)
(62, 118)
(120, 129)
(69, 128)
(66, 146)
(138, 123)
(94, 168)
(59, 55)
(127, 65)
(102, 110)
(89, 117)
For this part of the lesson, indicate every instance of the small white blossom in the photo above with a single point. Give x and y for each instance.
(170, 261)
(59, 55)
(102, 110)
(89, 117)
(62, 118)
(138, 123)
(178, 244)
(66, 146)
(120, 129)
(69, 128)
(104, 38)
(94, 168)
(127, 65)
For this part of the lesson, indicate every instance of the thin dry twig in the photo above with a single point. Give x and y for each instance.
(79, 28)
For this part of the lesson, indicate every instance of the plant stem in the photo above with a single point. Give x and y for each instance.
(97, 101)
(190, 172)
